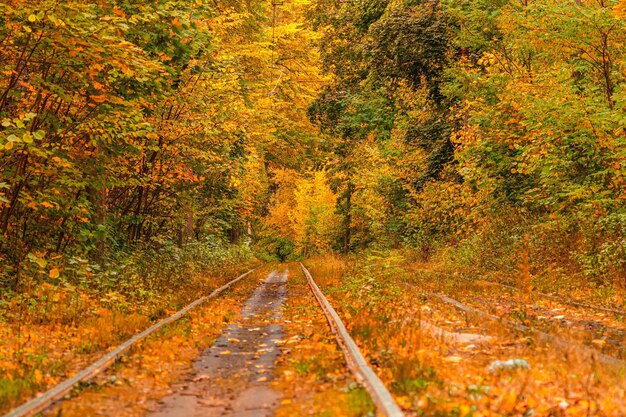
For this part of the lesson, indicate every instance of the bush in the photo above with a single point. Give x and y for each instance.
(150, 279)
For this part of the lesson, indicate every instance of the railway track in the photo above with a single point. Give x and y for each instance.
(564, 301)
(251, 337)
(402, 325)
(555, 298)
(57, 392)
(227, 360)
(549, 339)
(546, 318)
(592, 328)
(356, 362)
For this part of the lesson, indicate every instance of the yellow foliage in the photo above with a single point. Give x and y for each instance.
(283, 202)
(303, 210)
(620, 9)
(313, 217)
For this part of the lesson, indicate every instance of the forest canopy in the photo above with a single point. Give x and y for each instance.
(481, 129)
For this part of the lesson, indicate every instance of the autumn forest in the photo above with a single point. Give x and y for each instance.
(451, 174)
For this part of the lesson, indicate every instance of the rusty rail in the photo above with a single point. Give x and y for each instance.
(559, 299)
(543, 337)
(356, 362)
(57, 392)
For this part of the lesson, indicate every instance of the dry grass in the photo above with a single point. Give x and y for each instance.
(52, 331)
(159, 363)
(433, 376)
(312, 374)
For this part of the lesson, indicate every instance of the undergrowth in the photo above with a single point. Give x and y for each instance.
(383, 299)
(62, 312)
(576, 256)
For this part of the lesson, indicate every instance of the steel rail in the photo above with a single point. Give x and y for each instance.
(541, 335)
(567, 301)
(356, 362)
(57, 392)
(562, 300)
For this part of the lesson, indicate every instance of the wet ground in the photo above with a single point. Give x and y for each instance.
(232, 377)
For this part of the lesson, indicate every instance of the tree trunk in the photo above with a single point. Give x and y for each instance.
(347, 219)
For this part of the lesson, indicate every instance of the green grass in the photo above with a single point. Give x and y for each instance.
(359, 401)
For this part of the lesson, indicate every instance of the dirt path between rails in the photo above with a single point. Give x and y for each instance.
(232, 377)
(271, 355)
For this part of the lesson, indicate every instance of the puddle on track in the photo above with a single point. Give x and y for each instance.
(232, 378)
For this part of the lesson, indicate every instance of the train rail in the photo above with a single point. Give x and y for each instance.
(562, 300)
(542, 336)
(57, 392)
(354, 358)
(555, 298)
